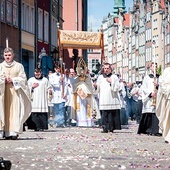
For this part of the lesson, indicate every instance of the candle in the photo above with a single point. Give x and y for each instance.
(154, 59)
(154, 63)
(6, 42)
(64, 66)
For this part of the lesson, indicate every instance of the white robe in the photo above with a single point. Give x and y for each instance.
(82, 101)
(17, 103)
(57, 88)
(39, 95)
(2, 89)
(109, 98)
(163, 104)
(147, 88)
(122, 94)
(68, 92)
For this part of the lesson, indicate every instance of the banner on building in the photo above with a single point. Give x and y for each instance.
(80, 39)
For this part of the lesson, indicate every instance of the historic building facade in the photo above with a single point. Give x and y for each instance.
(141, 37)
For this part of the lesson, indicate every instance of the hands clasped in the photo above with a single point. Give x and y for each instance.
(35, 85)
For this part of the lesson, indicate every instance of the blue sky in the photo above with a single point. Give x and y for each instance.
(97, 9)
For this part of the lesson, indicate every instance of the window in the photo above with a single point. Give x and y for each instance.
(137, 43)
(15, 15)
(130, 64)
(15, 12)
(137, 61)
(26, 18)
(32, 20)
(40, 24)
(9, 12)
(133, 60)
(46, 26)
(148, 16)
(22, 17)
(155, 24)
(54, 31)
(133, 40)
(2, 10)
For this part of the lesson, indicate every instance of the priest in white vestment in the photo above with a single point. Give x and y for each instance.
(163, 104)
(2, 89)
(82, 106)
(17, 103)
(108, 87)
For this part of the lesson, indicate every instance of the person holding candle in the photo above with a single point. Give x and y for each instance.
(58, 95)
(16, 96)
(149, 121)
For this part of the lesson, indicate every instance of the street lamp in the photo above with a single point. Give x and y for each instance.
(98, 65)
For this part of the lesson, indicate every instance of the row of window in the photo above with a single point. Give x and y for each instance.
(9, 14)
(9, 11)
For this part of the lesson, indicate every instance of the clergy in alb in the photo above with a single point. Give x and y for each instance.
(163, 105)
(16, 96)
(2, 88)
(149, 122)
(39, 88)
(108, 87)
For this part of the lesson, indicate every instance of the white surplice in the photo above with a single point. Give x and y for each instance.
(40, 94)
(163, 104)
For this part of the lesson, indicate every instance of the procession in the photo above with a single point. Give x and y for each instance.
(70, 99)
(84, 84)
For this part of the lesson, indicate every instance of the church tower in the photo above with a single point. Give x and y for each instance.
(119, 5)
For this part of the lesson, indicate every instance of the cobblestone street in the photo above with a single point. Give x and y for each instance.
(86, 149)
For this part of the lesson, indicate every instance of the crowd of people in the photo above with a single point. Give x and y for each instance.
(74, 98)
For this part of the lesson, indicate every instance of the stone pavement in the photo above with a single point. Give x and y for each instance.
(86, 149)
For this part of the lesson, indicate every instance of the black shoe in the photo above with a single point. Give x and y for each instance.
(154, 134)
(104, 131)
(14, 137)
(158, 134)
(38, 129)
(8, 138)
(112, 131)
(166, 141)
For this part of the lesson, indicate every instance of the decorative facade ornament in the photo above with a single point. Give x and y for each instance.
(80, 39)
